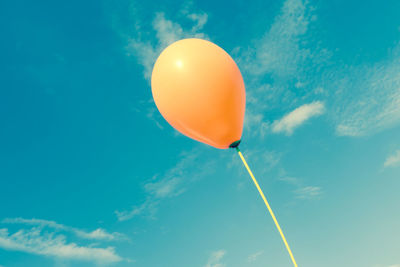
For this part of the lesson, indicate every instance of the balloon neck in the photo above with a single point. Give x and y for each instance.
(235, 145)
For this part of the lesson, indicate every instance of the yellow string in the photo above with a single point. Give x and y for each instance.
(269, 208)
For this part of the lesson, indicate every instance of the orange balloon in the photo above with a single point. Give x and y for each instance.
(198, 89)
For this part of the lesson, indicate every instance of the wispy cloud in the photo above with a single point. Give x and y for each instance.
(297, 117)
(281, 65)
(253, 257)
(216, 258)
(302, 191)
(288, 66)
(36, 241)
(167, 187)
(308, 192)
(98, 234)
(145, 48)
(148, 205)
(166, 32)
(392, 160)
(279, 52)
(254, 123)
(262, 161)
(152, 115)
(172, 183)
(368, 96)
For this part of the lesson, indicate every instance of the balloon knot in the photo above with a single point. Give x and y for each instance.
(235, 144)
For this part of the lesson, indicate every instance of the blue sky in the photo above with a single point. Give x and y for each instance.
(91, 174)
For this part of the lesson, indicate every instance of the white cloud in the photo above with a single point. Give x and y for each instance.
(144, 53)
(308, 192)
(280, 65)
(165, 188)
(297, 117)
(35, 241)
(302, 191)
(289, 179)
(393, 160)
(279, 52)
(263, 161)
(254, 124)
(215, 259)
(135, 211)
(367, 96)
(148, 207)
(149, 109)
(285, 50)
(166, 32)
(98, 234)
(200, 19)
(253, 257)
(288, 61)
(152, 115)
(171, 184)
(145, 47)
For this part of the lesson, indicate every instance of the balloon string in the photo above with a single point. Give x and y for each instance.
(268, 206)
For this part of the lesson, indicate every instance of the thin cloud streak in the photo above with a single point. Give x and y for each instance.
(288, 66)
(174, 182)
(166, 32)
(98, 234)
(215, 259)
(308, 192)
(35, 241)
(280, 64)
(297, 117)
(253, 257)
(278, 52)
(367, 97)
(302, 191)
(393, 160)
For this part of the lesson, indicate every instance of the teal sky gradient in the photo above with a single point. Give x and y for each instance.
(92, 175)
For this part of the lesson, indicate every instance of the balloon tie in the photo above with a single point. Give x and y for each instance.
(268, 206)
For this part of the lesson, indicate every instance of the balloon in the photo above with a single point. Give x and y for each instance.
(199, 90)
